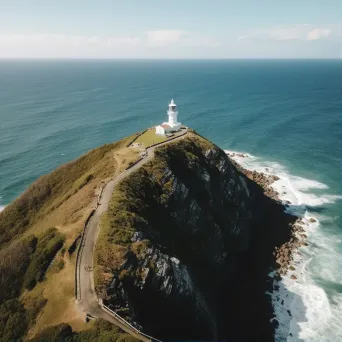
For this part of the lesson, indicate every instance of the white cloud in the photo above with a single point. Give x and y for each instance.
(288, 33)
(291, 32)
(158, 37)
(180, 38)
(274, 42)
(60, 39)
(62, 45)
(318, 34)
(200, 41)
(119, 41)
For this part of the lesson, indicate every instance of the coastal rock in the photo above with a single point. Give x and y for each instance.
(264, 180)
(214, 229)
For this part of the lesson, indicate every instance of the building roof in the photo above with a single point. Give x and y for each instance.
(165, 126)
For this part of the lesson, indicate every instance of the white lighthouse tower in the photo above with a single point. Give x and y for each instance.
(172, 125)
(172, 113)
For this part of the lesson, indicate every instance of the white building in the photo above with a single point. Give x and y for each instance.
(172, 125)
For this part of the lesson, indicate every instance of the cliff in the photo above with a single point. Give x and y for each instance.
(186, 246)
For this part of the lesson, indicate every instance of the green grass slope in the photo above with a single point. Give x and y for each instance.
(26, 252)
(51, 190)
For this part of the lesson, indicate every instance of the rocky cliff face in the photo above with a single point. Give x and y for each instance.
(200, 243)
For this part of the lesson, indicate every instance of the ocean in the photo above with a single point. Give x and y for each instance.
(285, 115)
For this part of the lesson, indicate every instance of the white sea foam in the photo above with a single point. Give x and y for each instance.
(1, 208)
(94, 90)
(302, 307)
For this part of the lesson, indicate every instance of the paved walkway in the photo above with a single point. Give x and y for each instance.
(87, 299)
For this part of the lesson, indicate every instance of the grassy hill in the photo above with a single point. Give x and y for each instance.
(36, 233)
(49, 192)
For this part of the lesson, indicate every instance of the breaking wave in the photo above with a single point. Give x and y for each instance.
(308, 308)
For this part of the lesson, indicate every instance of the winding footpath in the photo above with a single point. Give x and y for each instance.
(87, 301)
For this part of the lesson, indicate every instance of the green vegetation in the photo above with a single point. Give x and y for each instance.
(139, 248)
(140, 202)
(48, 245)
(28, 246)
(60, 264)
(109, 255)
(22, 264)
(84, 181)
(102, 331)
(14, 261)
(149, 138)
(25, 259)
(60, 332)
(50, 191)
(13, 320)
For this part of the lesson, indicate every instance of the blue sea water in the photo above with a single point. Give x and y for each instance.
(285, 113)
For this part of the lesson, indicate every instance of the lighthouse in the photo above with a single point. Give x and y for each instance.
(172, 113)
(172, 125)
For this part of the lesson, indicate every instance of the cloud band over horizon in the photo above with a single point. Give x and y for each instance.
(273, 42)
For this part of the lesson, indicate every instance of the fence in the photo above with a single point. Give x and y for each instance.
(138, 135)
(168, 140)
(135, 163)
(106, 308)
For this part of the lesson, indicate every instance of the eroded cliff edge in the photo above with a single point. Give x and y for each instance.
(186, 246)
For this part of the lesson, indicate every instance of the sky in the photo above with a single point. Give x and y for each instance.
(170, 29)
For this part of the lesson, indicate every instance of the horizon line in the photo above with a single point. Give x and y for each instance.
(168, 59)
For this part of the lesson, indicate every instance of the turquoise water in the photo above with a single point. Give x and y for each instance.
(286, 114)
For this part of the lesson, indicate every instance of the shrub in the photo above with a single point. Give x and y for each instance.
(14, 260)
(73, 246)
(139, 248)
(60, 265)
(48, 245)
(102, 331)
(57, 333)
(126, 338)
(84, 181)
(13, 321)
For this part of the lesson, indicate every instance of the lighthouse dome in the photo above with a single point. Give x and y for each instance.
(172, 104)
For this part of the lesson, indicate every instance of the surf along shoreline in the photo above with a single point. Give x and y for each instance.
(287, 264)
(284, 253)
